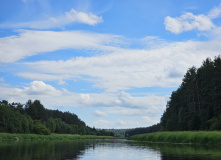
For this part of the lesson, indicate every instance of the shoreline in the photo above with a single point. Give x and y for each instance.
(21, 137)
(180, 137)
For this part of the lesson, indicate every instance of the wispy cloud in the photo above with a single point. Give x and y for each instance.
(215, 12)
(2, 79)
(31, 42)
(70, 17)
(115, 69)
(123, 69)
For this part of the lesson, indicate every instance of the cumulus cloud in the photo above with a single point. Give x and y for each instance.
(187, 22)
(40, 88)
(53, 97)
(99, 113)
(72, 16)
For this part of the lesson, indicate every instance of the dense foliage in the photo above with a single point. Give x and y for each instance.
(34, 118)
(196, 104)
(151, 129)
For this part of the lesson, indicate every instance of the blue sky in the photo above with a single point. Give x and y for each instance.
(114, 63)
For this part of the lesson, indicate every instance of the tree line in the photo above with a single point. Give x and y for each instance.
(117, 132)
(196, 104)
(143, 130)
(33, 117)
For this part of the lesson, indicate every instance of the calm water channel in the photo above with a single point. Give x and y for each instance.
(105, 150)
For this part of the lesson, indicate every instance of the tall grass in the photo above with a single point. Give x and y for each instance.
(8, 136)
(201, 137)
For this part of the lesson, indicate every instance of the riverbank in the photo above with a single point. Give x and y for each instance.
(19, 137)
(196, 137)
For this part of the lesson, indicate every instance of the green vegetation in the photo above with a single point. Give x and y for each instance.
(196, 104)
(200, 137)
(16, 137)
(34, 118)
(151, 129)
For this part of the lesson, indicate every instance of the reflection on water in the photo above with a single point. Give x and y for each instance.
(105, 150)
(186, 151)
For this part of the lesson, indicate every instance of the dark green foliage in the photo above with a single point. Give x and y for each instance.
(117, 132)
(39, 128)
(151, 129)
(34, 118)
(196, 104)
(102, 132)
(13, 121)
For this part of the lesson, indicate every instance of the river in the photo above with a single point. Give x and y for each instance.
(105, 150)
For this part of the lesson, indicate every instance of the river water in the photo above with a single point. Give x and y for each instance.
(105, 150)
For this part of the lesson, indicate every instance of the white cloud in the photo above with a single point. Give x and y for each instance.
(85, 98)
(40, 88)
(118, 124)
(70, 17)
(215, 34)
(81, 17)
(61, 82)
(187, 22)
(149, 121)
(2, 79)
(128, 123)
(215, 12)
(123, 69)
(30, 43)
(146, 105)
(99, 113)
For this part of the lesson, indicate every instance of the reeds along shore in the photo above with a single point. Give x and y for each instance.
(19, 137)
(198, 137)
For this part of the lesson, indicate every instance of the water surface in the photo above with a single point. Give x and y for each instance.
(105, 150)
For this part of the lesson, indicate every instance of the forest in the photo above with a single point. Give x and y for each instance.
(33, 117)
(196, 104)
(150, 129)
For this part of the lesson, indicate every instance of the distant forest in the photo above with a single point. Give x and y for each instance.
(143, 130)
(196, 104)
(34, 118)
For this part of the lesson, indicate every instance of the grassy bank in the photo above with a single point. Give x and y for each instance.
(200, 137)
(8, 136)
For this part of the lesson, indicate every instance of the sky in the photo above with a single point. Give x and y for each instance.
(114, 63)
